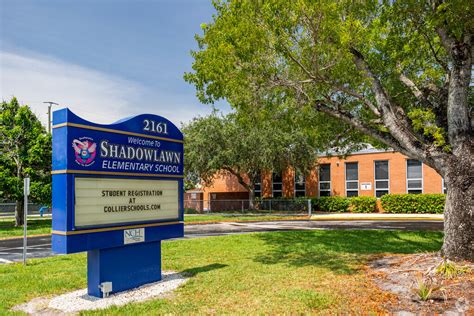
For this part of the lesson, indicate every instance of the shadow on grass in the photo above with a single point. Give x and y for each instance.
(341, 250)
(194, 271)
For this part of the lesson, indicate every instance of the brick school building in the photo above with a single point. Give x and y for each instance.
(369, 172)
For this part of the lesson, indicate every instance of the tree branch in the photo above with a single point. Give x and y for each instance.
(394, 116)
(359, 125)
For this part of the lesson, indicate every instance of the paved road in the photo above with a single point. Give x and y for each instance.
(38, 247)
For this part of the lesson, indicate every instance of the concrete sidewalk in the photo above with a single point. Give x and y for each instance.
(376, 217)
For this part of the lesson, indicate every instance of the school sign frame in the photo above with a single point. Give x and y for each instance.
(117, 192)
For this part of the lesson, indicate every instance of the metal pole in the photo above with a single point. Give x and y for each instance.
(26, 192)
(49, 119)
(309, 209)
(50, 104)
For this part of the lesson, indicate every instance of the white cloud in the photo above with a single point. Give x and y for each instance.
(93, 95)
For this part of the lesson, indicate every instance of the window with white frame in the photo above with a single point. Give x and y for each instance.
(258, 186)
(300, 184)
(325, 179)
(414, 176)
(382, 180)
(352, 179)
(277, 185)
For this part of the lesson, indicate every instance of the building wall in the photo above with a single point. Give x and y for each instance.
(432, 182)
(223, 185)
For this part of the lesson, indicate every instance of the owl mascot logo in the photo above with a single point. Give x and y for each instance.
(84, 150)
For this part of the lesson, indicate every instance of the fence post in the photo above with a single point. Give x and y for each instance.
(309, 208)
(242, 206)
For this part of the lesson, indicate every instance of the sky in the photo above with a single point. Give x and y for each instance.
(104, 59)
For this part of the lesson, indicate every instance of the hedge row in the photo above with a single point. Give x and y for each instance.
(391, 203)
(360, 204)
(413, 203)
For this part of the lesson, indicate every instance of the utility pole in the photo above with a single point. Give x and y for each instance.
(49, 114)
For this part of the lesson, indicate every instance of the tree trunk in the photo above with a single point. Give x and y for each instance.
(19, 218)
(251, 199)
(458, 213)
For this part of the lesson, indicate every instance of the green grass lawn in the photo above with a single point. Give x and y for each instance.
(263, 273)
(43, 226)
(35, 227)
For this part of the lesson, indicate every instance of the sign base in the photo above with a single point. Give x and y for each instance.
(126, 267)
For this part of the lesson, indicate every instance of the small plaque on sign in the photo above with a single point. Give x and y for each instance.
(366, 186)
(135, 235)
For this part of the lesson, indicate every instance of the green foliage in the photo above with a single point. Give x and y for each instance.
(342, 204)
(425, 287)
(279, 53)
(25, 149)
(449, 269)
(338, 204)
(246, 145)
(413, 203)
(424, 120)
(363, 204)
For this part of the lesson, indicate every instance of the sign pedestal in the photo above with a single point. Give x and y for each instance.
(126, 267)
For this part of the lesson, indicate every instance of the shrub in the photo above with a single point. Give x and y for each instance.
(331, 204)
(363, 204)
(191, 211)
(413, 203)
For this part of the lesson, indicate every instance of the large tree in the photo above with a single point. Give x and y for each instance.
(25, 150)
(398, 71)
(246, 145)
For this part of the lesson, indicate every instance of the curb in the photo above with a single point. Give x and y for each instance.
(378, 219)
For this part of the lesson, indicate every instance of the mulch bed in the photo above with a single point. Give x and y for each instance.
(399, 275)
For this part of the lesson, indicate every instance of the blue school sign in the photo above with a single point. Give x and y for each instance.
(117, 192)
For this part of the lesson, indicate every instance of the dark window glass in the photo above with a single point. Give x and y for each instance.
(277, 185)
(277, 177)
(414, 184)
(352, 185)
(381, 170)
(324, 193)
(380, 193)
(276, 193)
(352, 193)
(414, 176)
(325, 186)
(382, 184)
(352, 177)
(300, 185)
(414, 169)
(325, 172)
(352, 171)
(258, 186)
(300, 193)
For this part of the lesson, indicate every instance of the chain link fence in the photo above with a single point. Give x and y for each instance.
(8, 209)
(300, 207)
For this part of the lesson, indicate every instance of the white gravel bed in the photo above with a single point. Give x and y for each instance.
(77, 301)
